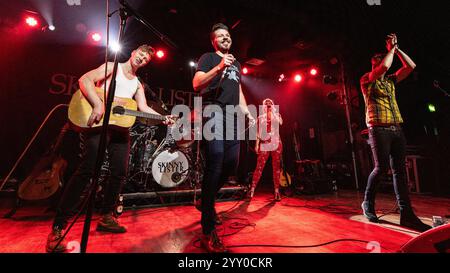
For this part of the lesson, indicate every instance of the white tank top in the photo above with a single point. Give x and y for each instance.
(125, 88)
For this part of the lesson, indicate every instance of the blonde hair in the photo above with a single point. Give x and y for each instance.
(265, 100)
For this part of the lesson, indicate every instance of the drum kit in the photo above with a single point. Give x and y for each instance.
(158, 162)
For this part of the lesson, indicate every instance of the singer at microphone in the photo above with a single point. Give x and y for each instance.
(218, 79)
(225, 70)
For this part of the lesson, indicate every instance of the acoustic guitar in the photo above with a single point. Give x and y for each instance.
(46, 176)
(44, 180)
(123, 112)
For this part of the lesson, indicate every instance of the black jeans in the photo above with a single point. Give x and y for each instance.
(388, 148)
(118, 152)
(222, 158)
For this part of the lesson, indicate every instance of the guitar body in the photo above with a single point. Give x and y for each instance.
(44, 180)
(285, 179)
(80, 110)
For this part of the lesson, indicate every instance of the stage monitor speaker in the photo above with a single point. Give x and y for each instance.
(436, 240)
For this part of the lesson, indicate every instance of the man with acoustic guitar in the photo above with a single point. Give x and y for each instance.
(127, 88)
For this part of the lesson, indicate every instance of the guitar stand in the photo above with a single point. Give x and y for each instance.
(17, 203)
(17, 200)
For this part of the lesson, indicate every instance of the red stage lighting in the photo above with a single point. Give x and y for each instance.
(160, 54)
(298, 78)
(96, 37)
(245, 70)
(281, 78)
(31, 21)
(313, 72)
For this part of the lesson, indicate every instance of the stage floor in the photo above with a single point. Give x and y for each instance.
(293, 225)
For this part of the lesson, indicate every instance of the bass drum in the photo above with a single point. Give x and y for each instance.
(170, 168)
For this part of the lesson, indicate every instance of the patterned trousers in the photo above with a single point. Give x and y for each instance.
(276, 167)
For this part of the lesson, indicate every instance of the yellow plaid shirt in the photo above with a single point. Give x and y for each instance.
(379, 97)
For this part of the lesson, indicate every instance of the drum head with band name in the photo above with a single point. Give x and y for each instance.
(170, 168)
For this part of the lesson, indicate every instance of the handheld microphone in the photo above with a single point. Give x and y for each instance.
(224, 73)
(225, 70)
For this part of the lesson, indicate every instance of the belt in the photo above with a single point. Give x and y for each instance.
(387, 127)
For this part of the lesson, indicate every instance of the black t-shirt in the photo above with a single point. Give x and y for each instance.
(228, 91)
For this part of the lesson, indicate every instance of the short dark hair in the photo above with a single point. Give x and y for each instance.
(216, 27)
(147, 49)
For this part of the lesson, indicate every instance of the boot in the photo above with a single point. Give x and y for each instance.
(108, 223)
(409, 219)
(213, 243)
(53, 242)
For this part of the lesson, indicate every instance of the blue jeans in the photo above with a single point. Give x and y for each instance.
(388, 149)
(222, 158)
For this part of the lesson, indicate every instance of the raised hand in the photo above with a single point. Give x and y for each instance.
(391, 41)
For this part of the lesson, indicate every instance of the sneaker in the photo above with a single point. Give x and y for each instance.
(212, 243)
(53, 242)
(108, 223)
(410, 220)
(369, 212)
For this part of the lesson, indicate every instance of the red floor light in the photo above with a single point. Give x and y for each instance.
(313, 72)
(245, 70)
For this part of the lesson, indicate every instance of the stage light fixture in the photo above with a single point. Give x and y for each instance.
(115, 47)
(431, 108)
(298, 78)
(96, 37)
(31, 21)
(160, 54)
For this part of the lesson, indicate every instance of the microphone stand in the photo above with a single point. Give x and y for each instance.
(437, 85)
(349, 124)
(125, 12)
(102, 146)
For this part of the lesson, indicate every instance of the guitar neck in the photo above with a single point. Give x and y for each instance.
(143, 115)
